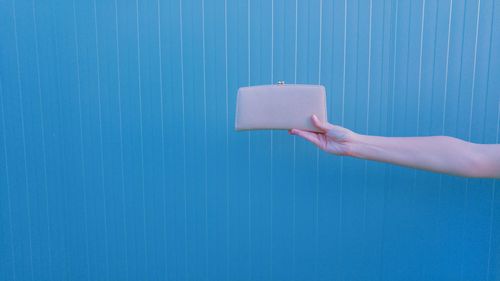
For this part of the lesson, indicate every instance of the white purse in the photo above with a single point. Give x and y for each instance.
(280, 106)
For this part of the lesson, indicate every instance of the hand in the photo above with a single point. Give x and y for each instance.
(333, 139)
(439, 154)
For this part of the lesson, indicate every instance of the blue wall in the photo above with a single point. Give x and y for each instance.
(119, 160)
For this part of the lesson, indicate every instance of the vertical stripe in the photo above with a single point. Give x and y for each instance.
(227, 140)
(469, 137)
(120, 124)
(183, 142)
(474, 71)
(342, 159)
(249, 158)
(420, 67)
(42, 128)
(492, 205)
(98, 69)
(205, 136)
(8, 186)
(294, 153)
(365, 176)
(272, 141)
(82, 149)
(440, 186)
(447, 65)
(20, 93)
(493, 188)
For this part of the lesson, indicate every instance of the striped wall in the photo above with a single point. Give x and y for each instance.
(119, 161)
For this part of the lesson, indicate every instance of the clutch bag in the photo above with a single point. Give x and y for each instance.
(280, 107)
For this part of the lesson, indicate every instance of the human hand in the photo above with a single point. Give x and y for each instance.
(333, 139)
(439, 154)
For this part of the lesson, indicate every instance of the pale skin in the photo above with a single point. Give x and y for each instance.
(439, 154)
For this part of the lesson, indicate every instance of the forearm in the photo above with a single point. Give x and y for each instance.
(439, 154)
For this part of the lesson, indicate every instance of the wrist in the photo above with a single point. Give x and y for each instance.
(355, 146)
(360, 146)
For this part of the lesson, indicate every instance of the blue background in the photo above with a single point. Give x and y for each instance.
(119, 160)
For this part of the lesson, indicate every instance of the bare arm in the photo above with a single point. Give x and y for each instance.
(437, 153)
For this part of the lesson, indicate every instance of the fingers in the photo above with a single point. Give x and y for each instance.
(318, 124)
(312, 137)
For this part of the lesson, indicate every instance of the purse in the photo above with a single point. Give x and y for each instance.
(280, 107)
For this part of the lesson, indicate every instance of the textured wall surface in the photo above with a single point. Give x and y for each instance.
(119, 160)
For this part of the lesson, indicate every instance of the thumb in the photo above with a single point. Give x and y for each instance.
(319, 124)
